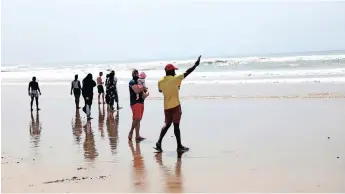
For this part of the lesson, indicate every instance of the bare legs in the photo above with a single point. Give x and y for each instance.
(177, 133)
(99, 95)
(32, 101)
(136, 126)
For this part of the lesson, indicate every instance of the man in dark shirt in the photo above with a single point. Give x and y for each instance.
(34, 93)
(137, 105)
(88, 85)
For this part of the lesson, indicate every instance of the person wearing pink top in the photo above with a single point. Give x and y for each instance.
(141, 82)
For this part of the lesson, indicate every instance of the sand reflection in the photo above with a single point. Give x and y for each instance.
(90, 151)
(35, 128)
(173, 181)
(77, 127)
(101, 115)
(139, 172)
(112, 128)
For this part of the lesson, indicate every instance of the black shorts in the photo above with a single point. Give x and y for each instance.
(100, 89)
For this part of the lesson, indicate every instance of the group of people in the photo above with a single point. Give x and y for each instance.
(111, 95)
(169, 85)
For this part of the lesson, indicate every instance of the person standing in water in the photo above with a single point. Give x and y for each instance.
(116, 98)
(137, 105)
(110, 92)
(87, 90)
(100, 87)
(169, 86)
(76, 90)
(34, 93)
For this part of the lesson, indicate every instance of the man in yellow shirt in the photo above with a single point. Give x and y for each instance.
(169, 85)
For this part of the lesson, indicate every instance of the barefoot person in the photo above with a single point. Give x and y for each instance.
(169, 86)
(100, 87)
(34, 93)
(88, 85)
(110, 92)
(76, 89)
(137, 105)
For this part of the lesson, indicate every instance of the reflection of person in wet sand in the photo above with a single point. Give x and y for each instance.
(139, 173)
(77, 127)
(90, 151)
(35, 129)
(174, 183)
(112, 128)
(101, 115)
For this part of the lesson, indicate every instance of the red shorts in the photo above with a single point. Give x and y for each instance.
(138, 111)
(173, 115)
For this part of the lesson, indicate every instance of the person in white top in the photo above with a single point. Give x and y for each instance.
(100, 87)
(76, 89)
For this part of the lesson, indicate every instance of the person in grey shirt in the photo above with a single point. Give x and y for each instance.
(76, 90)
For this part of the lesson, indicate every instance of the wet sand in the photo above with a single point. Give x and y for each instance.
(243, 138)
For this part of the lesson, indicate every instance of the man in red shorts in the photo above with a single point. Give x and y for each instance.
(137, 105)
(169, 86)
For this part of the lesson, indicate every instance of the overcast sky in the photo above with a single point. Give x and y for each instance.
(58, 31)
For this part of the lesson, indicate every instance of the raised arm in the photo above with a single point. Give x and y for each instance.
(190, 70)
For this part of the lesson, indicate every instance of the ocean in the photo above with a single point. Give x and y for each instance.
(283, 68)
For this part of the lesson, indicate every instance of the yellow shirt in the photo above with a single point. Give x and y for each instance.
(169, 85)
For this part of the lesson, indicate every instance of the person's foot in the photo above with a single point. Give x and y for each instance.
(158, 147)
(182, 149)
(89, 118)
(139, 139)
(130, 136)
(38, 109)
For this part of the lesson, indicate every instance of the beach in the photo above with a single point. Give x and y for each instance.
(242, 138)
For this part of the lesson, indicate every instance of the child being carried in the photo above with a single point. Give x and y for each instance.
(141, 82)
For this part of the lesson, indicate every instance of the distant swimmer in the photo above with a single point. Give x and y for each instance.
(100, 87)
(34, 93)
(169, 86)
(87, 91)
(76, 89)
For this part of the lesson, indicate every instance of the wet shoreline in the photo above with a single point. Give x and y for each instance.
(248, 142)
